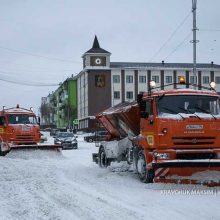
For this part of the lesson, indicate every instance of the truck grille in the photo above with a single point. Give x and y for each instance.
(24, 138)
(196, 156)
(193, 140)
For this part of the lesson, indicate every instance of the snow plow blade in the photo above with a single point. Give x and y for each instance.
(8, 147)
(34, 146)
(188, 172)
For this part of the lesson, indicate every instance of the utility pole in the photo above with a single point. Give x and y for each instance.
(194, 41)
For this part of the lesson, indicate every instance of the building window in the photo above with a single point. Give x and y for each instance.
(116, 95)
(217, 79)
(155, 79)
(142, 79)
(192, 79)
(116, 79)
(129, 95)
(129, 79)
(205, 79)
(169, 79)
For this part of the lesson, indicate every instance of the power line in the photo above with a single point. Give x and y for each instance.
(36, 55)
(179, 45)
(32, 71)
(210, 30)
(35, 68)
(170, 37)
(27, 83)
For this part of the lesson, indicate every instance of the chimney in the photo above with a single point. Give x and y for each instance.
(212, 62)
(163, 62)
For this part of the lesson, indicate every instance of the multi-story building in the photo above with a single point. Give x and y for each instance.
(102, 83)
(63, 104)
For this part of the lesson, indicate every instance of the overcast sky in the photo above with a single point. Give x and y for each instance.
(42, 41)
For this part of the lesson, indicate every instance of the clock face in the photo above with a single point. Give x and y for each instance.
(98, 61)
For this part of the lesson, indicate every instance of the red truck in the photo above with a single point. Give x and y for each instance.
(165, 134)
(19, 128)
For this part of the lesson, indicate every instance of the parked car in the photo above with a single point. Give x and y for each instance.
(54, 132)
(97, 136)
(67, 140)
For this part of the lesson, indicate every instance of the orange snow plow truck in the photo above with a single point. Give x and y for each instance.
(19, 129)
(170, 135)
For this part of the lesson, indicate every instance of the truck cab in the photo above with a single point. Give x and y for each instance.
(18, 126)
(166, 133)
(179, 128)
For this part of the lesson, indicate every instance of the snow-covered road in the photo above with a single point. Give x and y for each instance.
(48, 185)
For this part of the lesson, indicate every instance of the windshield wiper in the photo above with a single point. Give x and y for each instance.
(190, 112)
(205, 111)
(172, 111)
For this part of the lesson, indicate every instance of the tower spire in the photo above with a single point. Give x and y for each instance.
(96, 43)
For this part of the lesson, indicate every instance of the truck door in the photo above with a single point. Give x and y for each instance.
(148, 123)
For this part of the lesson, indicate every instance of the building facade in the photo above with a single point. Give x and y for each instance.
(102, 83)
(61, 105)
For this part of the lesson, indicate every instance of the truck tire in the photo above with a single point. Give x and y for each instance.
(146, 176)
(129, 156)
(102, 159)
(2, 153)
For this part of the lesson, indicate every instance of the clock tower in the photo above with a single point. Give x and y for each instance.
(94, 82)
(96, 57)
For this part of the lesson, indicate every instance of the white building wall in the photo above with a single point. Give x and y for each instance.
(116, 87)
(168, 73)
(82, 83)
(181, 72)
(206, 73)
(156, 73)
(129, 87)
(217, 74)
(142, 87)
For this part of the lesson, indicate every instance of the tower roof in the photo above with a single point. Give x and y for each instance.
(96, 48)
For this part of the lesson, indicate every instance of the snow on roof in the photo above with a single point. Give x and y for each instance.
(18, 110)
(185, 91)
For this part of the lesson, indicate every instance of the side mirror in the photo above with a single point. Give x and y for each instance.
(38, 120)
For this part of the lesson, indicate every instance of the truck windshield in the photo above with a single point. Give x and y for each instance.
(21, 119)
(188, 104)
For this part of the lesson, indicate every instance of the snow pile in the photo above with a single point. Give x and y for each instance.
(72, 187)
(205, 176)
(33, 154)
(120, 167)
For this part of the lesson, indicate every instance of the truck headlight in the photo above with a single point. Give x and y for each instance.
(163, 156)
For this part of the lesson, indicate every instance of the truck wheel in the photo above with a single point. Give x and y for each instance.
(103, 161)
(146, 176)
(129, 156)
(2, 153)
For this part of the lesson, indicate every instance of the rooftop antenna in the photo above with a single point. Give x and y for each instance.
(194, 41)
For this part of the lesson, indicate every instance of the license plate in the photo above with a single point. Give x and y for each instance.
(25, 128)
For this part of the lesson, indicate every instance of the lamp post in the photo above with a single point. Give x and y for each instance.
(194, 41)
